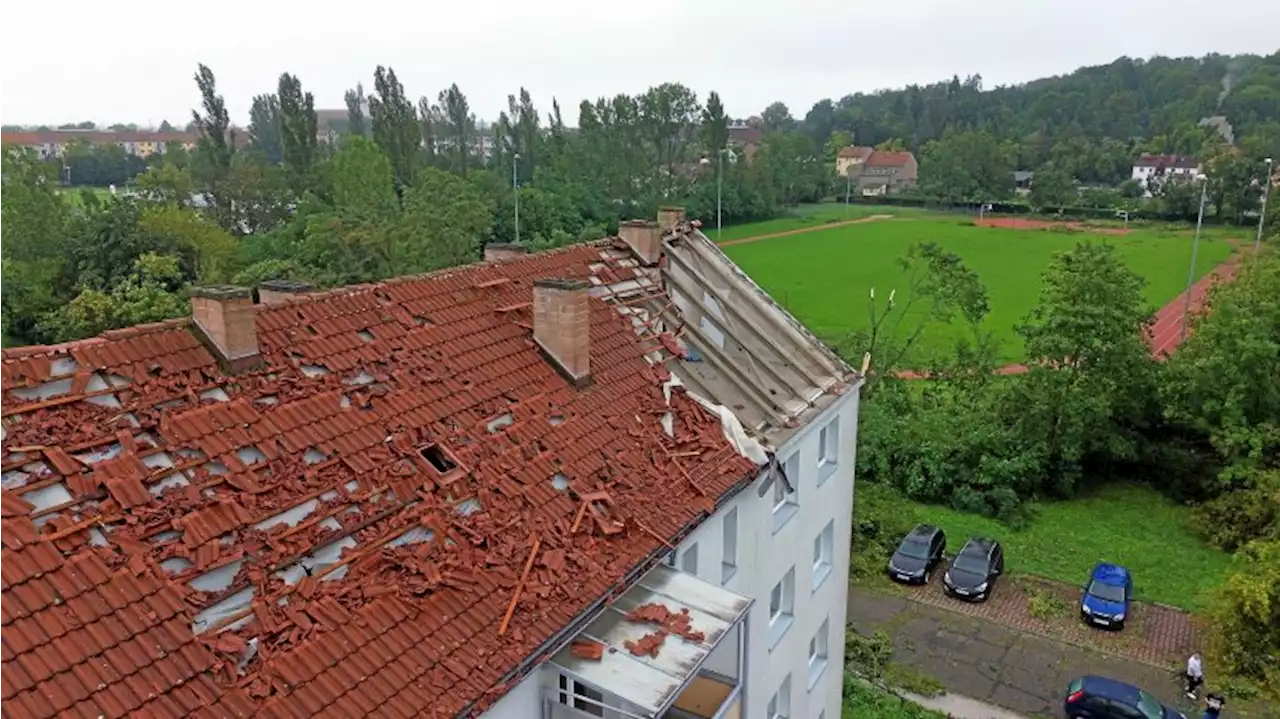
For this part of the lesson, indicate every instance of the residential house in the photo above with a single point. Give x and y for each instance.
(850, 160)
(609, 480)
(1022, 180)
(745, 139)
(1151, 169)
(877, 172)
(142, 143)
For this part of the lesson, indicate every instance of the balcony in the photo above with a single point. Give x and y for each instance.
(688, 678)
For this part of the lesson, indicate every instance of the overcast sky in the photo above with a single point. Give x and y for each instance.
(86, 60)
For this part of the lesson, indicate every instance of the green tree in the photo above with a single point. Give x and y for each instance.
(355, 110)
(1246, 637)
(35, 221)
(777, 118)
(395, 125)
(297, 129)
(457, 131)
(966, 166)
(445, 220)
(715, 125)
(1091, 384)
(363, 183)
(212, 249)
(264, 128)
(166, 183)
(217, 139)
(150, 293)
(1052, 186)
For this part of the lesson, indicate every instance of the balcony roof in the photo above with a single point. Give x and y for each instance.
(651, 683)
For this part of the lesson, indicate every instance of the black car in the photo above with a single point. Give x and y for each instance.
(919, 552)
(1102, 698)
(973, 572)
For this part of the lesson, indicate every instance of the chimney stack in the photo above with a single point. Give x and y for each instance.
(644, 239)
(502, 251)
(224, 318)
(562, 327)
(273, 291)
(669, 217)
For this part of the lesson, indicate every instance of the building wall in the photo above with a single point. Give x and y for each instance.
(524, 701)
(764, 557)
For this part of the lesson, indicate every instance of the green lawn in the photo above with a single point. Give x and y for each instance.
(824, 277)
(805, 216)
(1131, 525)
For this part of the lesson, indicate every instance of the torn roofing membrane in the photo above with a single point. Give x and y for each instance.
(347, 526)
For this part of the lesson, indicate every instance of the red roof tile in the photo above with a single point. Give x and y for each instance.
(315, 458)
(889, 159)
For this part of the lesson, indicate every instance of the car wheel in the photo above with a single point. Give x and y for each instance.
(928, 575)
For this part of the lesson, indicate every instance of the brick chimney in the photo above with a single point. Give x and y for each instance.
(669, 217)
(273, 291)
(502, 251)
(644, 238)
(562, 327)
(223, 317)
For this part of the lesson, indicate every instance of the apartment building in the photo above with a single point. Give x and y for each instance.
(53, 143)
(609, 480)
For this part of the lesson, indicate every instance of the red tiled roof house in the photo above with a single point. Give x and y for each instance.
(446, 495)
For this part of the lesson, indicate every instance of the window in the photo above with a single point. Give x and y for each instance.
(670, 559)
(729, 563)
(785, 503)
(689, 560)
(782, 602)
(823, 546)
(818, 653)
(780, 703)
(581, 697)
(828, 450)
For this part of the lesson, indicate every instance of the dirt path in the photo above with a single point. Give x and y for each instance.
(802, 230)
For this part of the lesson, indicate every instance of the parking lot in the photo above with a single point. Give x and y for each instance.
(976, 656)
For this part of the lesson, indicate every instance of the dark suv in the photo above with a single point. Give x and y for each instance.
(1102, 698)
(919, 552)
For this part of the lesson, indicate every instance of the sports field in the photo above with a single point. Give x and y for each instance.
(825, 276)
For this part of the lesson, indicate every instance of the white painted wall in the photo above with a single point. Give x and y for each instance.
(763, 558)
(522, 702)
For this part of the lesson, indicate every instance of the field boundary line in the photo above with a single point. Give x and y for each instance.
(802, 230)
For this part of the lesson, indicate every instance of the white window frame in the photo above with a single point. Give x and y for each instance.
(786, 504)
(729, 546)
(780, 702)
(689, 560)
(575, 694)
(823, 554)
(828, 450)
(782, 605)
(819, 646)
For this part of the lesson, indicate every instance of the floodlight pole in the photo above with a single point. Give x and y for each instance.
(1262, 216)
(1195, 247)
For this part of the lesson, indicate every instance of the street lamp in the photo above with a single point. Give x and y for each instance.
(1195, 247)
(719, 186)
(515, 188)
(1262, 216)
(848, 187)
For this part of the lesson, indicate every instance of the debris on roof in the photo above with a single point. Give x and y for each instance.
(399, 504)
(587, 649)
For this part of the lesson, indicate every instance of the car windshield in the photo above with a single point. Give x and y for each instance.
(1106, 592)
(972, 561)
(1149, 707)
(914, 548)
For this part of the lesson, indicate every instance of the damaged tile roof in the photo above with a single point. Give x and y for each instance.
(397, 509)
(150, 501)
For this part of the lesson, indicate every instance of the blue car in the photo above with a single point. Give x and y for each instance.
(1105, 602)
(1103, 698)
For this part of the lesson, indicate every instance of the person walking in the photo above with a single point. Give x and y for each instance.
(1195, 675)
(1213, 705)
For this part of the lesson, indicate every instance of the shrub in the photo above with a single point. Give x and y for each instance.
(1045, 604)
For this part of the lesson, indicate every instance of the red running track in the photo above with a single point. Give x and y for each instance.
(1165, 333)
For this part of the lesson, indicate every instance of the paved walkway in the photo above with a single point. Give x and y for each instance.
(993, 664)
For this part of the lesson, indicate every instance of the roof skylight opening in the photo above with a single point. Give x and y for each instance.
(314, 456)
(556, 420)
(216, 394)
(314, 370)
(560, 481)
(365, 335)
(503, 420)
(439, 459)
